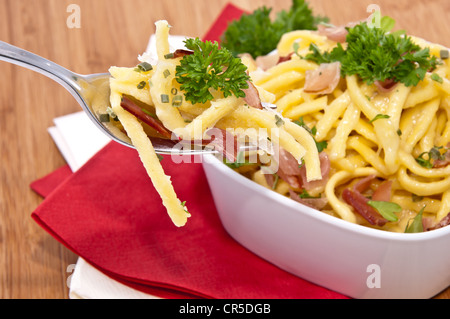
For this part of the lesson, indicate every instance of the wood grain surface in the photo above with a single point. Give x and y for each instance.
(113, 32)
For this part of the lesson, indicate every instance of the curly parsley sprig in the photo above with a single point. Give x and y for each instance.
(374, 54)
(257, 34)
(210, 67)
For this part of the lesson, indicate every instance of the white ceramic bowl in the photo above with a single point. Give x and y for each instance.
(354, 260)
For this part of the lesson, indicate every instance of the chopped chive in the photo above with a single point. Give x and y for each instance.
(444, 54)
(143, 67)
(399, 132)
(177, 100)
(166, 73)
(168, 56)
(104, 118)
(111, 112)
(164, 98)
(275, 183)
(379, 116)
(141, 85)
(160, 157)
(174, 91)
(278, 121)
(437, 78)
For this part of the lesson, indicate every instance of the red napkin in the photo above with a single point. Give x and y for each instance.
(109, 213)
(228, 14)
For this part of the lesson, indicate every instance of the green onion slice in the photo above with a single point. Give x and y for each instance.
(144, 67)
(164, 98)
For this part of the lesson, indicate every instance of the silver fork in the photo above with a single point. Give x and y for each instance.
(87, 90)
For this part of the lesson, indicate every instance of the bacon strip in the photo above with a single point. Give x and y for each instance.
(385, 86)
(132, 108)
(179, 53)
(288, 57)
(359, 203)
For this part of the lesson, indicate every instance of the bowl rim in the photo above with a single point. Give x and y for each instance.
(323, 217)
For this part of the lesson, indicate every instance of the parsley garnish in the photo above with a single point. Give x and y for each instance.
(434, 154)
(240, 161)
(183, 204)
(320, 145)
(376, 55)
(210, 68)
(416, 226)
(258, 35)
(305, 194)
(386, 209)
(437, 78)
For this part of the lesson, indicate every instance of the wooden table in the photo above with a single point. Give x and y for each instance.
(113, 32)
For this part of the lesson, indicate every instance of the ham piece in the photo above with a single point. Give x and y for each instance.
(252, 96)
(316, 203)
(337, 34)
(359, 203)
(295, 176)
(324, 79)
(444, 222)
(325, 166)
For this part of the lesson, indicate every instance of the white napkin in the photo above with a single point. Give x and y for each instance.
(78, 139)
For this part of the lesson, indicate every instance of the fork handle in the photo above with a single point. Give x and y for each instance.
(12, 54)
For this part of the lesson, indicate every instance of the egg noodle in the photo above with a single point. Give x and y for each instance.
(416, 120)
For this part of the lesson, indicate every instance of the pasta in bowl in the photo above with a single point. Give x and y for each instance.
(378, 150)
(347, 158)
